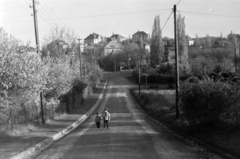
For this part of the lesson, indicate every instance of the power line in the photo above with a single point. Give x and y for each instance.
(47, 20)
(16, 17)
(219, 15)
(93, 16)
(51, 10)
(24, 7)
(36, 10)
(47, 13)
(7, 3)
(167, 20)
(179, 2)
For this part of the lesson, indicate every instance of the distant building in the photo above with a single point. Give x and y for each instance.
(169, 54)
(93, 39)
(191, 42)
(145, 39)
(137, 36)
(57, 47)
(112, 48)
(117, 38)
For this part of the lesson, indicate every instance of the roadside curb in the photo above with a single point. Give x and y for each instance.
(47, 142)
(211, 148)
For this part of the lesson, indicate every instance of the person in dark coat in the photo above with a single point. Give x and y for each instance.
(98, 119)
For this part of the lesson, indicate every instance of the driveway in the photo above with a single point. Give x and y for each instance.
(131, 134)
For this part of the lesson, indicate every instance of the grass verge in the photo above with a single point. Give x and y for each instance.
(161, 106)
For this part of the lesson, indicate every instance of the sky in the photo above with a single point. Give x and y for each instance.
(124, 17)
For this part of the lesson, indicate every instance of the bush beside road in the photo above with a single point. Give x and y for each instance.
(160, 104)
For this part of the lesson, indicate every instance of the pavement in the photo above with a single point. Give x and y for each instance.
(131, 134)
(39, 138)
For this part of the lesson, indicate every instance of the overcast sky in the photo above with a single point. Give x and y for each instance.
(124, 17)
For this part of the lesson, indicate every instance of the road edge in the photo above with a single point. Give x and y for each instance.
(47, 142)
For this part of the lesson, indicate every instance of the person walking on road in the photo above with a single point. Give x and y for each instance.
(98, 119)
(106, 118)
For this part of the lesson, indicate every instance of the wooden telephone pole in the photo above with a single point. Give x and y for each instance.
(80, 57)
(176, 61)
(38, 51)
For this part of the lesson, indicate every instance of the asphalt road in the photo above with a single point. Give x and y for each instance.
(131, 134)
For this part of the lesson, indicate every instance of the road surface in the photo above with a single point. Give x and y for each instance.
(131, 134)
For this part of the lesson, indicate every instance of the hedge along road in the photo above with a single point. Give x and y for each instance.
(131, 133)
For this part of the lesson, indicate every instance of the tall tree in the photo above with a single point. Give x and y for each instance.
(157, 47)
(182, 44)
(197, 42)
(208, 41)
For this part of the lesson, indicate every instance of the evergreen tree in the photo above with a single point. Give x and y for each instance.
(157, 48)
(208, 41)
(197, 42)
(182, 45)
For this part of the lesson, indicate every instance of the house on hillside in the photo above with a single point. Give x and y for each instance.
(140, 34)
(113, 47)
(169, 54)
(146, 45)
(93, 39)
(137, 39)
(117, 38)
(57, 47)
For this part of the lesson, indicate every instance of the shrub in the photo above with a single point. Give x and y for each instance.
(204, 102)
(166, 69)
(151, 71)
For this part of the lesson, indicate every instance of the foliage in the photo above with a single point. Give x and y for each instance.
(151, 71)
(208, 42)
(24, 75)
(60, 76)
(157, 48)
(206, 101)
(205, 60)
(60, 33)
(166, 69)
(129, 55)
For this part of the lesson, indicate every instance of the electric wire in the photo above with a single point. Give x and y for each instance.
(94, 16)
(167, 21)
(219, 15)
(179, 2)
(24, 7)
(27, 11)
(7, 3)
(51, 10)
(46, 19)
(25, 15)
(47, 13)
(36, 11)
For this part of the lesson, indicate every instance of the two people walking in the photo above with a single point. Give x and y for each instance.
(106, 117)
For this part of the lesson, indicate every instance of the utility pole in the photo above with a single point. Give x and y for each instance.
(36, 26)
(80, 58)
(38, 51)
(139, 76)
(234, 51)
(176, 61)
(92, 55)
